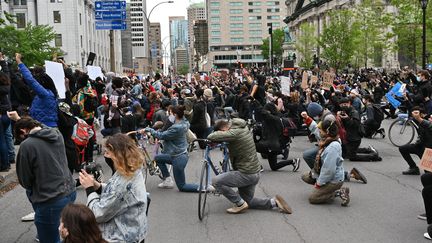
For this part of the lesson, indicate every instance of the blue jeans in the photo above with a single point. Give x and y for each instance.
(10, 143)
(309, 155)
(47, 218)
(4, 156)
(179, 163)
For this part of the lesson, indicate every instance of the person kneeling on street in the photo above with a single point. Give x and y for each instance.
(246, 167)
(327, 176)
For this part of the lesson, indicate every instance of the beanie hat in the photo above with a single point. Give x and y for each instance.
(208, 93)
(314, 109)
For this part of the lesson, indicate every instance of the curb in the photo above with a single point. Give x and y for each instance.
(8, 177)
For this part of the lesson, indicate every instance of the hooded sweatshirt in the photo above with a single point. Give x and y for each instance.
(42, 166)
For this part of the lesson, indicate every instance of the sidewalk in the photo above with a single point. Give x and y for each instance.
(9, 177)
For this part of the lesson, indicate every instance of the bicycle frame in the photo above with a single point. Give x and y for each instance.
(225, 162)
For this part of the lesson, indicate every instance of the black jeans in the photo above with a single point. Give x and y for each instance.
(351, 151)
(409, 149)
(370, 129)
(426, 180)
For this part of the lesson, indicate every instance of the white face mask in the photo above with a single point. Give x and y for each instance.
(171, 118)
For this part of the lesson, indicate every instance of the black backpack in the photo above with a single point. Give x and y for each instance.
(378, 113)
(90, 103)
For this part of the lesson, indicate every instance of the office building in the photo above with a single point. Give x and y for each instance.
(181, 57)
(178, 36)
(74, 24)
(155, 46)
(195, 12)
(201, 44)
(126, 41)
(237, 28)
(139, 30)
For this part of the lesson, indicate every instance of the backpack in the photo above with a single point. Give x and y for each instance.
(378, 114)
(90, 103)
(82, 133)
(289, 128)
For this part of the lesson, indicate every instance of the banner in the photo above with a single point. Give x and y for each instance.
(426, 160)
(56, 72)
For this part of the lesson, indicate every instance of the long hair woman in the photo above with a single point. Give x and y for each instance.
(5, 106)
(120, 205)
(78, 224)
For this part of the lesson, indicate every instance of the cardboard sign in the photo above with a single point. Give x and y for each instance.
(328, 80)
(364, 85)
(305, 79)
(94, 71)
(426, 160)
(285, 85)
(56, 72)
(314, 80)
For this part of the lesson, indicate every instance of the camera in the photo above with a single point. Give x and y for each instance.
(94, 169)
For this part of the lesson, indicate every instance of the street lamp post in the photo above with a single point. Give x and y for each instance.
(148, 32)
(424, 6)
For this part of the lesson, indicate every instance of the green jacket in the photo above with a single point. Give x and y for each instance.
(241, 146)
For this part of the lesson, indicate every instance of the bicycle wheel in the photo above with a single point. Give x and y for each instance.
(202, 197)
(401, 134)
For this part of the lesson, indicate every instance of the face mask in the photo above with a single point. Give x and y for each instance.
(418, 79)
(346, 108)
(171, 118)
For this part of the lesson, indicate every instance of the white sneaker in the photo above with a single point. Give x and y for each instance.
(426, 235)
(167, 183)
(28, 217)
(210, 188)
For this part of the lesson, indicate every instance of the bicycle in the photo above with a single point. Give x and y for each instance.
(151, 167)
(205, 178)
(402, 131)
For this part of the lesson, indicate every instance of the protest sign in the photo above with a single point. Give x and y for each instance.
(56, 72)
(314, 80)
(285, 85)
(94, 71)
(305, 79)
(394, 102)
(328, 80)
(426, 160)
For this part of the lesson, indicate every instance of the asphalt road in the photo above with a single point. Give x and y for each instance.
(384, 210)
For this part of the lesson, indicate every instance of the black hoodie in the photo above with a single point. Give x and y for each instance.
(42, 166)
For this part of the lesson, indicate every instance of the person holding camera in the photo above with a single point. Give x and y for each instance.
(120, 205)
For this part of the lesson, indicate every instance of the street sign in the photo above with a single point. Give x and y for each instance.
(110, 15)
(111, 25)
(110, 6)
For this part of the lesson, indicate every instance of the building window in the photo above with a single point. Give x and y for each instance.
(236, 25)
(276, 24)
(80, 19)
(236, 18)
(255, 32)
(236, 32)
(81, 40)
(254, 17)
(216, 33)
(214, 12)
(23, 2)
(215, 40)
(214, 4)
(273, 10)
(52, 1)
(273, 17)
(16, 2)
(239, 39)
(236, 3)
(58, 40)
(255, 39)
(236, 11)
(272, 3)
(20, 20)
(215, 19)
(215, 26)
(255, 25)
(254, 3)
(255, 10)
(57, 17)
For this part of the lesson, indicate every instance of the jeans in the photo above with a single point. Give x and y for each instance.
(409, 149)
(47, 218)
(179, 163)
(309, 156)
(4, 155)
(10, 143)
(246, 188)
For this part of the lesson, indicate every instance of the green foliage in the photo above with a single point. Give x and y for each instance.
(305, 44)
(33, 42)
(278, 40)
(337, 39)
(7, 17)
(183, 69)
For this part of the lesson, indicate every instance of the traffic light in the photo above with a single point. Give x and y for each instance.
(270, 29)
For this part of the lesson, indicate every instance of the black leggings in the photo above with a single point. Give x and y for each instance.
(426, 180)
(409, 149)
(274, 164)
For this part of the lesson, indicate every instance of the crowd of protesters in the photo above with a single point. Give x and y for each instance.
(246, 101)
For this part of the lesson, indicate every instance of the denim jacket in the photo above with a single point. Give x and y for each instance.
(120, 209)
(332, 170)
(174, 137)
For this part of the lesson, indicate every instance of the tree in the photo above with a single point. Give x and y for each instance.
(337, 39)
(278, 40)
(7, 17)
(305, 43)
(33, 42)
(183, 69)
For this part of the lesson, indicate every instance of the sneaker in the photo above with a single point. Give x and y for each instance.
(412, 171)
(210, 188)
(422, 216)
(167, 183)
(426, 235)
(374, 151)
(296, 164)
(282, 205)
(261, 169)
(37, 239)
(356, 174)
(238, 209)
(28, 217)
(344, 195)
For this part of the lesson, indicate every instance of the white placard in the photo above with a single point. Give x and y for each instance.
(56, 73)
(189, 78)
(285, 85)
(94, 71)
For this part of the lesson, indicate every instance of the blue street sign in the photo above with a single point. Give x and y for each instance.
(111, 25)
(110, 15)
(110, 6)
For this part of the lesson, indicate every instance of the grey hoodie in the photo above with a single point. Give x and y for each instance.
(42, 166)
